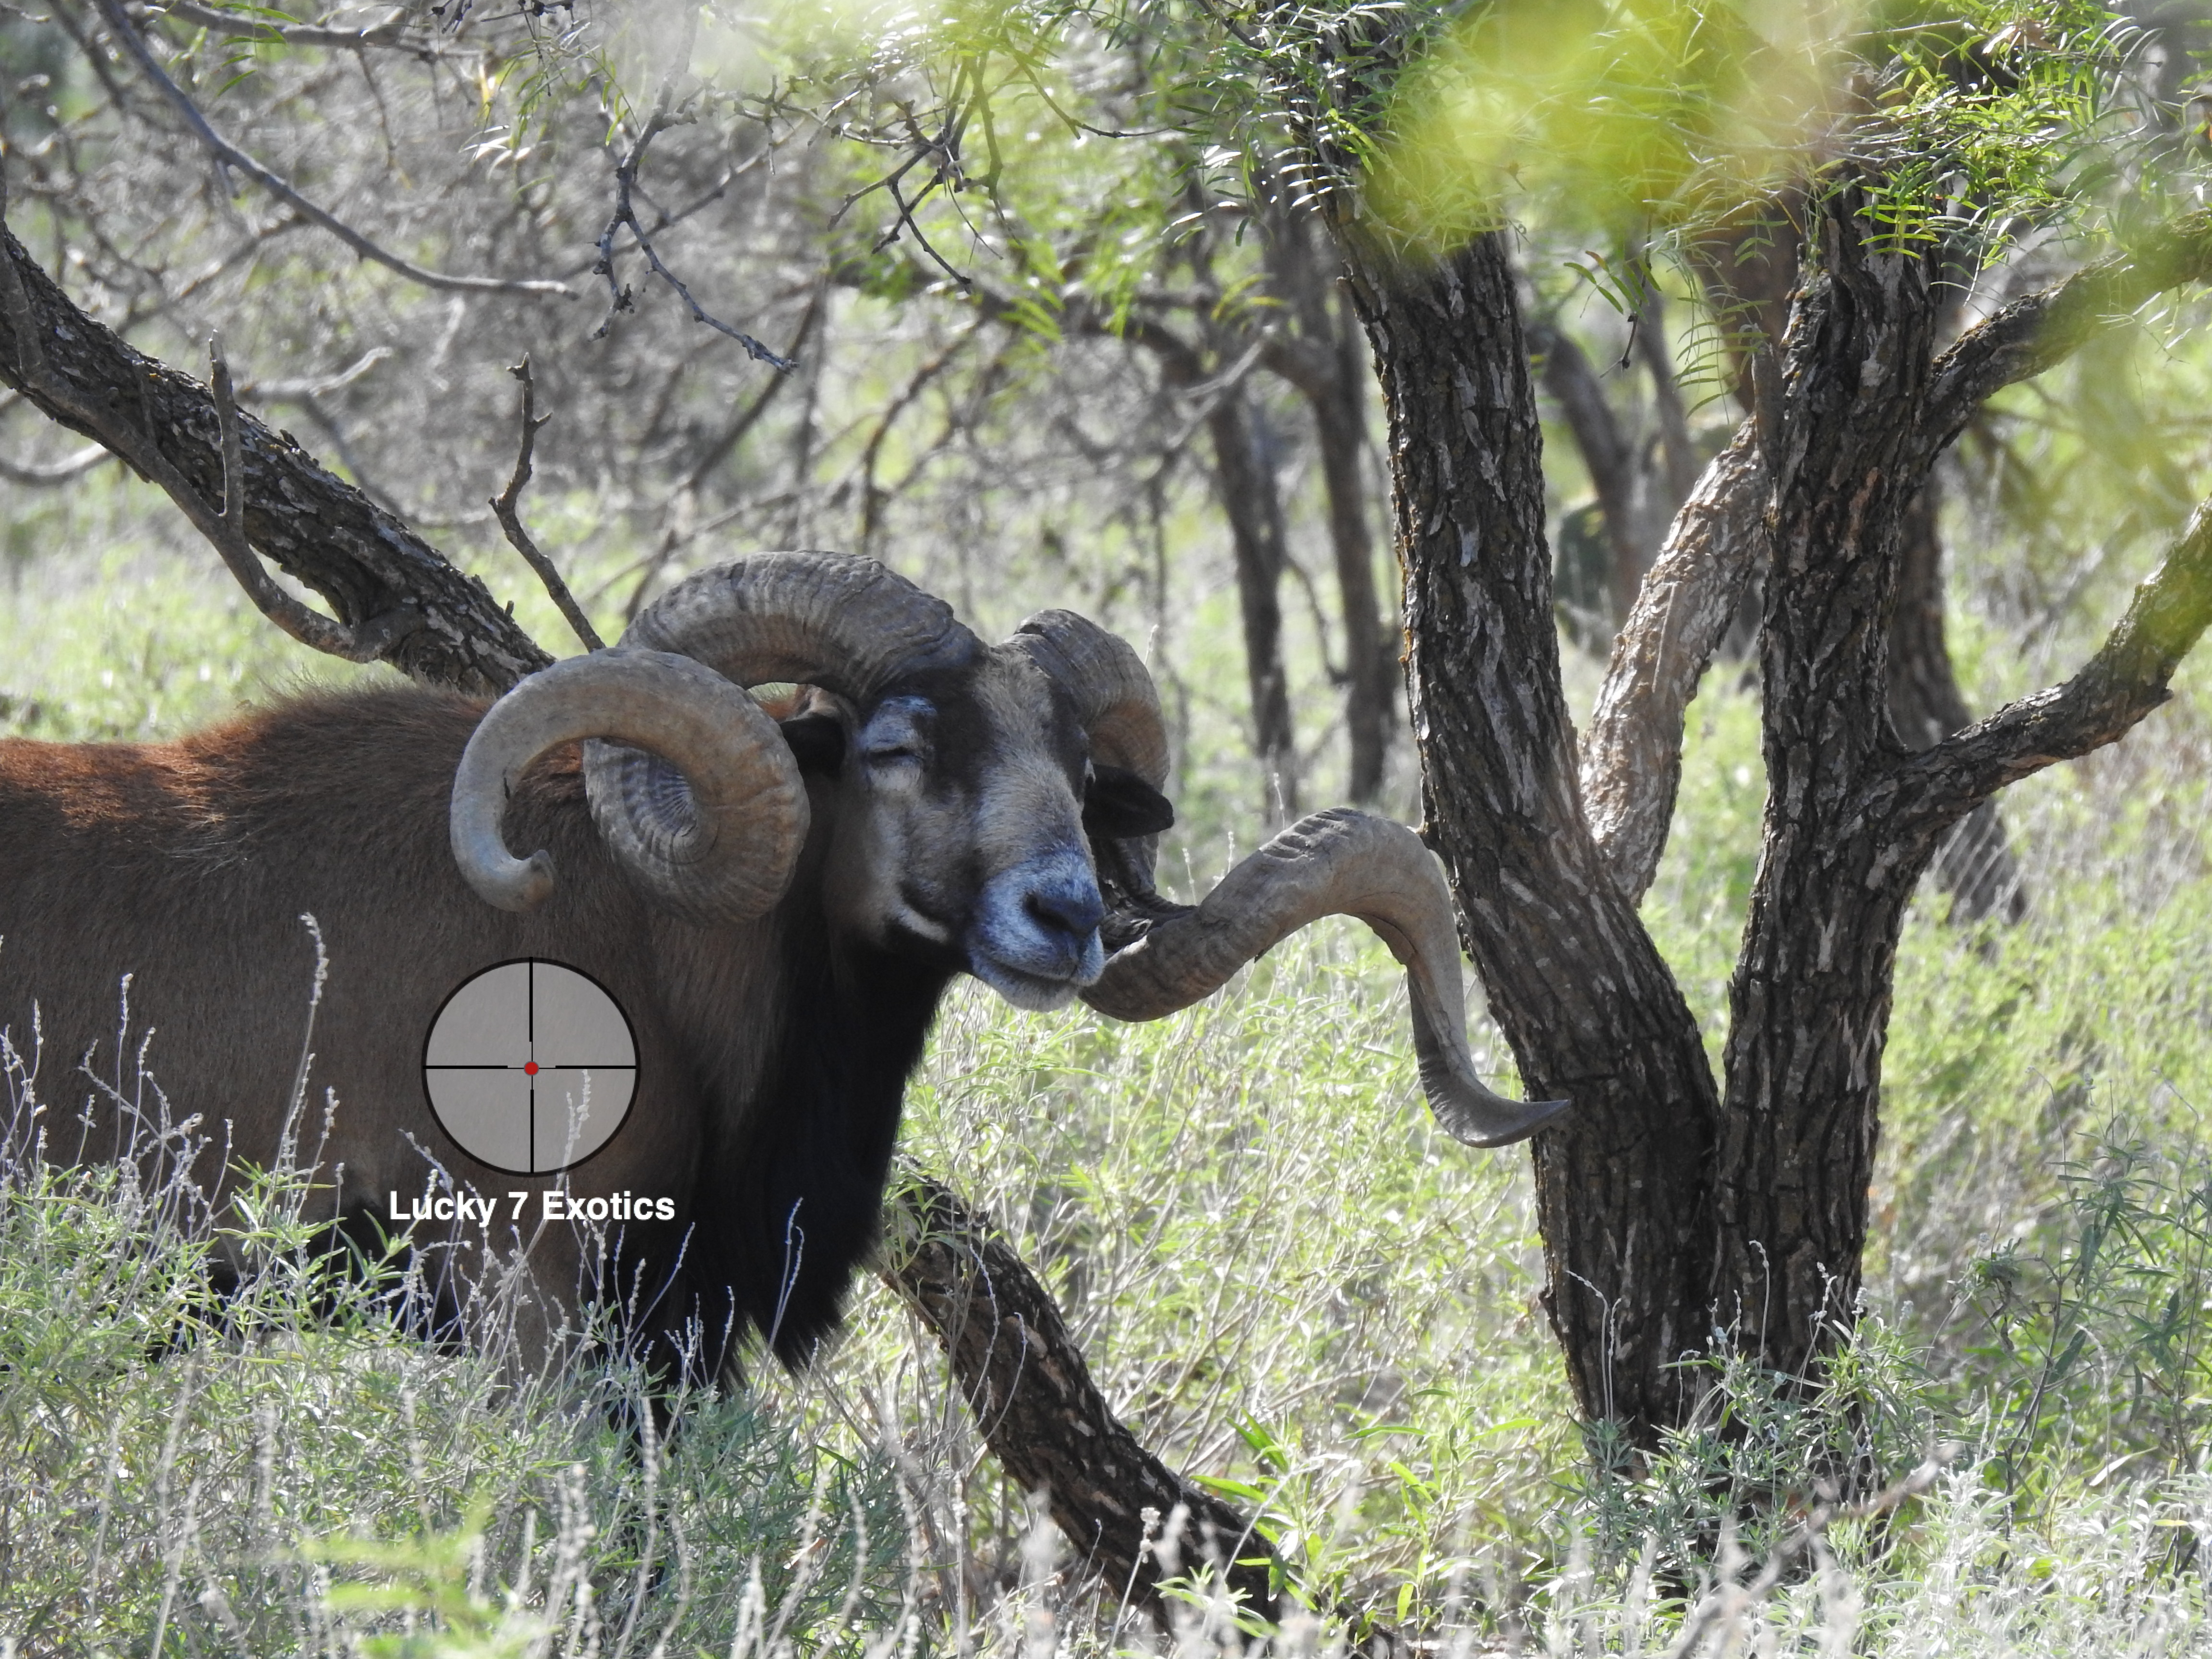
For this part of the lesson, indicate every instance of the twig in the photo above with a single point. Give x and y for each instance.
(230, 155)
(389, 33)
(625, 215)
(36, 476)
(320, 385)
(510, 520)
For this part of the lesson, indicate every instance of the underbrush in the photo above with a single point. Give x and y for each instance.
(289, 1465)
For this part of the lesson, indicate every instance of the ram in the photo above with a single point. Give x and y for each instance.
(778, 907)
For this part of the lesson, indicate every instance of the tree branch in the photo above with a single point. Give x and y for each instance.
(1607, 455)
(230, 155)
(1633, 754)
(2036, 333)
(390, 33)
(625, 214)
(386, 583)
(2128, 677)
(504, 508)
(1031, 1392)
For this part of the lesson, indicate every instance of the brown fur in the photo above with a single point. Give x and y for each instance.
(187, 865)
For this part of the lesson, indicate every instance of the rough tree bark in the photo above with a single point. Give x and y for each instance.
(1253, 502)
(1853, 429)
(1664, 1210)
(1036, 1406)
(1591, 1010)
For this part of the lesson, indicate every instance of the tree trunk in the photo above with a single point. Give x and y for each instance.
(1322, 359)
(1589, 1008)
(1250, 497)
(1810, 998)
(1340, 430)
(1975, 865)
(1607, 456)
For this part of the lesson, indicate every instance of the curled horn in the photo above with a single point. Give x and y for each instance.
(1119, 708)
(1115, 697)
(1334, 863)
(721, 846)
(834, 620)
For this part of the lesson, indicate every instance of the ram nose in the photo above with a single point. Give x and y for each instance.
(1074, 910)
(1035, 941)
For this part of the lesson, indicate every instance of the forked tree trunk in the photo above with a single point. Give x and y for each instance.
(1590, 1008)
(1664, 1215)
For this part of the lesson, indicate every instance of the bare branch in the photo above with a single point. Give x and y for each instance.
(230, 155)
(34, 477)
(2128, 677)
(510, 519)
(320, 385)
(1633, 757)
(390, 33)
(2035, 333)
(625, 216)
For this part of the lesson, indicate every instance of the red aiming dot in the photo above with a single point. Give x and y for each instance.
(530, 1069)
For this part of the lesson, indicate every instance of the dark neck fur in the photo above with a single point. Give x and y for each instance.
(796, 1208)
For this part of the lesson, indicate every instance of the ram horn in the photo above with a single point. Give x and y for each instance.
(834, 620)
(1119, 708)
(1334, 863)
(719, 846)
(1115, 697)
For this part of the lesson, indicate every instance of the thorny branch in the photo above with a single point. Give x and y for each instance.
(229, 155)
(946, 147)
(510, 519)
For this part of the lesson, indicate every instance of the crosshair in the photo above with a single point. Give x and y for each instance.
(529, 1066)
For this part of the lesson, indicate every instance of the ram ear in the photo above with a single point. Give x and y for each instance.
(817, 743)
(812, 722)
(1118, 803)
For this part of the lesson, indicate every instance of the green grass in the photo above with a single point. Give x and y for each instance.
(1292, 1285)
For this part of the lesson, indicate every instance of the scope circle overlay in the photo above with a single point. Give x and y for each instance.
(529, 1066)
